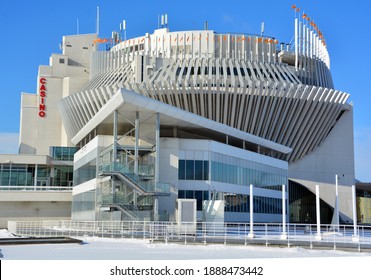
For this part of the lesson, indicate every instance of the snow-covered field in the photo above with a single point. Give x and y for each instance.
(96, 258)
(95, 248)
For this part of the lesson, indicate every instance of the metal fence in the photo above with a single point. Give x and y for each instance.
(267, 234)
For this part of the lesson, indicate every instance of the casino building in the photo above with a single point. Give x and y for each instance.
(194, 115)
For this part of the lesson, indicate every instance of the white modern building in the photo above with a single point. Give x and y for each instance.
(195, 115)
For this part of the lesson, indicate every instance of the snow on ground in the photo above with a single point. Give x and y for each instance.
(95, 248)
(4, 233)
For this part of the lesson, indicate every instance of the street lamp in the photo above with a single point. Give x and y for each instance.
(336, 214)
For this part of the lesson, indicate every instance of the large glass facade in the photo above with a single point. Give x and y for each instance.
(234, 171)
(24, 175)
(193, 170)
(63, 153)
(231, 170)
(85, 172)
(85, 168)
(237, 203)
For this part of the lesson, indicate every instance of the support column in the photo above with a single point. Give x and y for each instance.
(157, 161)
(114, 154)
(35, 179)
(355, 237)
(284, 233)
(155, 208)
(336, 210)
(136, 150)
(318, 212)
(251, 233)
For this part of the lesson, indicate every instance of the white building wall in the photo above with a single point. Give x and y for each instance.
(66, 74)
(334, 156)
(34, 205)
(28, 123)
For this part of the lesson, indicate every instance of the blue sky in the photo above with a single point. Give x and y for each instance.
(30, 31)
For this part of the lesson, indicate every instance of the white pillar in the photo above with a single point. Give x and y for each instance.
(284, 234)
(251, 233)
(114, 154)
(336, 210)
(157, 161)
(318, 212)
(355, 237)
(155, 209)
(35, 179)
(136, 149)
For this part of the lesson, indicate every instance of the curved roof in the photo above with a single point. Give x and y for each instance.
(262, 98)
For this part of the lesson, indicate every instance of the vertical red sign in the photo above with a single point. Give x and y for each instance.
(42, 97)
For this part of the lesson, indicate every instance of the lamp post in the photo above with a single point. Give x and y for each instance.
(284, 233)
(251, 233)
(355, 237)
(336, 214)
(336, 219)
(318, 215)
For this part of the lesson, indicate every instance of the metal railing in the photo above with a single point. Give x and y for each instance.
(142, 182)
(35, 188)
(227, 233)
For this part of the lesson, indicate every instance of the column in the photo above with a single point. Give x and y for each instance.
(336, 210)
(114, 154)
(157, 166)
(318, 212)
(157, 161)
(355, 237)
(251, 233)
(35, 179)
(136, 150)
(284, 234)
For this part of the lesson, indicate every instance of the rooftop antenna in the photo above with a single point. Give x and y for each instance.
(97, 21)
(206, 25)
(124, 28)
(166, 22)
(162, 21)
(262, 28)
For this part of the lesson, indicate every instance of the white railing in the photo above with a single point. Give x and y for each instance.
(227, 233)
(35, 188)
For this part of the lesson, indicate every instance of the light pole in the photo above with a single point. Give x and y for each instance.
(336, 214)
(251, 233)
(355, 236)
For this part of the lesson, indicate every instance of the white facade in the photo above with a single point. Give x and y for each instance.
(66, 73)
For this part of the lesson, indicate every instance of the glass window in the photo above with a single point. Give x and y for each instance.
(198, 196)
(189, 194)
(206, 171)
(198, 170)
(181, 194)
(181, 170)
(190, 170)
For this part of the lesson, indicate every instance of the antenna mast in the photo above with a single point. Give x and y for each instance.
(97, 21)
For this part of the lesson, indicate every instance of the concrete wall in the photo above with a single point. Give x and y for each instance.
(34, 205)
(334, 156)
